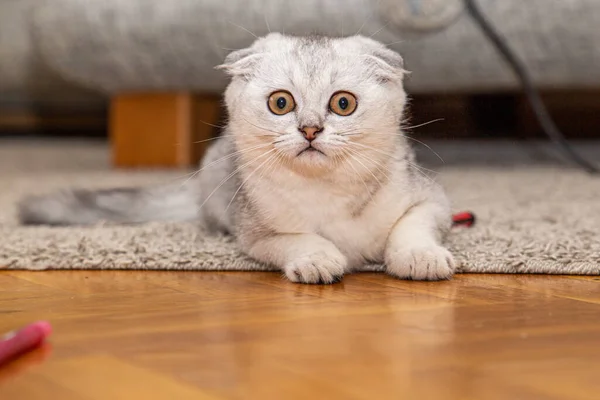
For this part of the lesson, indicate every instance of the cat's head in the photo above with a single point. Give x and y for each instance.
(315, 102)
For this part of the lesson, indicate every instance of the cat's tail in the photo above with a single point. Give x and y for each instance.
(171, 202)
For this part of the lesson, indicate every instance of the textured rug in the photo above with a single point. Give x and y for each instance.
(531, 218)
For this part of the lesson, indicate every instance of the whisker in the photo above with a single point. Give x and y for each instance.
(210, 139)
(276, 159)
(370, 130)
(426, 145)
(393, 43)
(241, 27)
(343, 164)
(351, 134)
(361, 27)
(228, 177)
(263, 128)
(393, 156)
(368, 18)
(381, 168)
(357, 174)
(380, 29)
(418, 169)
(267, 23)
(423, 168)
(189, 179)
(365, 131)
(231, 135)
(181, 177)
(238, 152)
(354, 154)
(213, 125)
(228, 156)
(423, 124)
(246, 180)
(415, 166)
(388, 154)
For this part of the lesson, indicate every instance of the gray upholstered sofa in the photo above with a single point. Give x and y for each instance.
(115, 45)
(26, 79)
(90, 49)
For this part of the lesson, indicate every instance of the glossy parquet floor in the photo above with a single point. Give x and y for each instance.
(185, 335)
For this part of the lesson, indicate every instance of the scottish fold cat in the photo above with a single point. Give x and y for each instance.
(312, 174)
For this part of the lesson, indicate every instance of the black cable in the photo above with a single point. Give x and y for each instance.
(520, 70)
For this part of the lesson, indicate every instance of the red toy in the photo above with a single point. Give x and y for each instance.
(466, 219)
(15, 343)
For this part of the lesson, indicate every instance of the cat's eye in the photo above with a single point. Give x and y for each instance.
(343, 103)
(281, 102)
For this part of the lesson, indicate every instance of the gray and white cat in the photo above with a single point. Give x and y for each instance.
(312, 174)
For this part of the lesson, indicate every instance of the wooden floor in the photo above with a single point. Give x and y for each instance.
(168, 335)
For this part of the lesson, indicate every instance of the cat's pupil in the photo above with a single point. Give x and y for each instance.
(281, 102)
(343, 103)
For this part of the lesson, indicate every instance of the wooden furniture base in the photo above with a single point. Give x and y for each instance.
(161, 129)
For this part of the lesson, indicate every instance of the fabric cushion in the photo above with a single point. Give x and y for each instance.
(420, 15)
(138, 45)
(24, 78)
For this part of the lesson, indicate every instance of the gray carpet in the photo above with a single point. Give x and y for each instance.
(532, 217)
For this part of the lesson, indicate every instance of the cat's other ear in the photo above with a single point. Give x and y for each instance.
(388, 64)
(240, 62)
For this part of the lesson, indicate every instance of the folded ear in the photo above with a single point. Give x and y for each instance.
(387, 63)
(240, 62)
(391, 58)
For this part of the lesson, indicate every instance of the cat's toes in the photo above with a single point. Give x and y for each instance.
(428, 263)
(316, 268)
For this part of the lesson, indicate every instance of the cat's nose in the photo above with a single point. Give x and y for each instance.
(311, 132)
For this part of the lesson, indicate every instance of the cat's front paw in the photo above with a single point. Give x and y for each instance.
(426, 263)
(321, 268)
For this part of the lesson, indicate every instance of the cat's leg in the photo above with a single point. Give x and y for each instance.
(304, 258)
(414, 249)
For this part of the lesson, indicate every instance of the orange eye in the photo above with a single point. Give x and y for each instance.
(343, 103)
(281, 102)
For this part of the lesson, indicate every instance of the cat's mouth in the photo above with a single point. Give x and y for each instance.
(309, 149)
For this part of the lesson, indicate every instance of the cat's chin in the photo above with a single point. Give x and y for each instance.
(314, 158)
(310, 152)
(312, 162)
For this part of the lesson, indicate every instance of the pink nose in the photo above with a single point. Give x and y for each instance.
(311, 132)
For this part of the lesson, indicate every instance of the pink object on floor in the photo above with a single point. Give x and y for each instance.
(15, 343)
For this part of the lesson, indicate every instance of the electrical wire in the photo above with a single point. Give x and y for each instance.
(522, 73)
